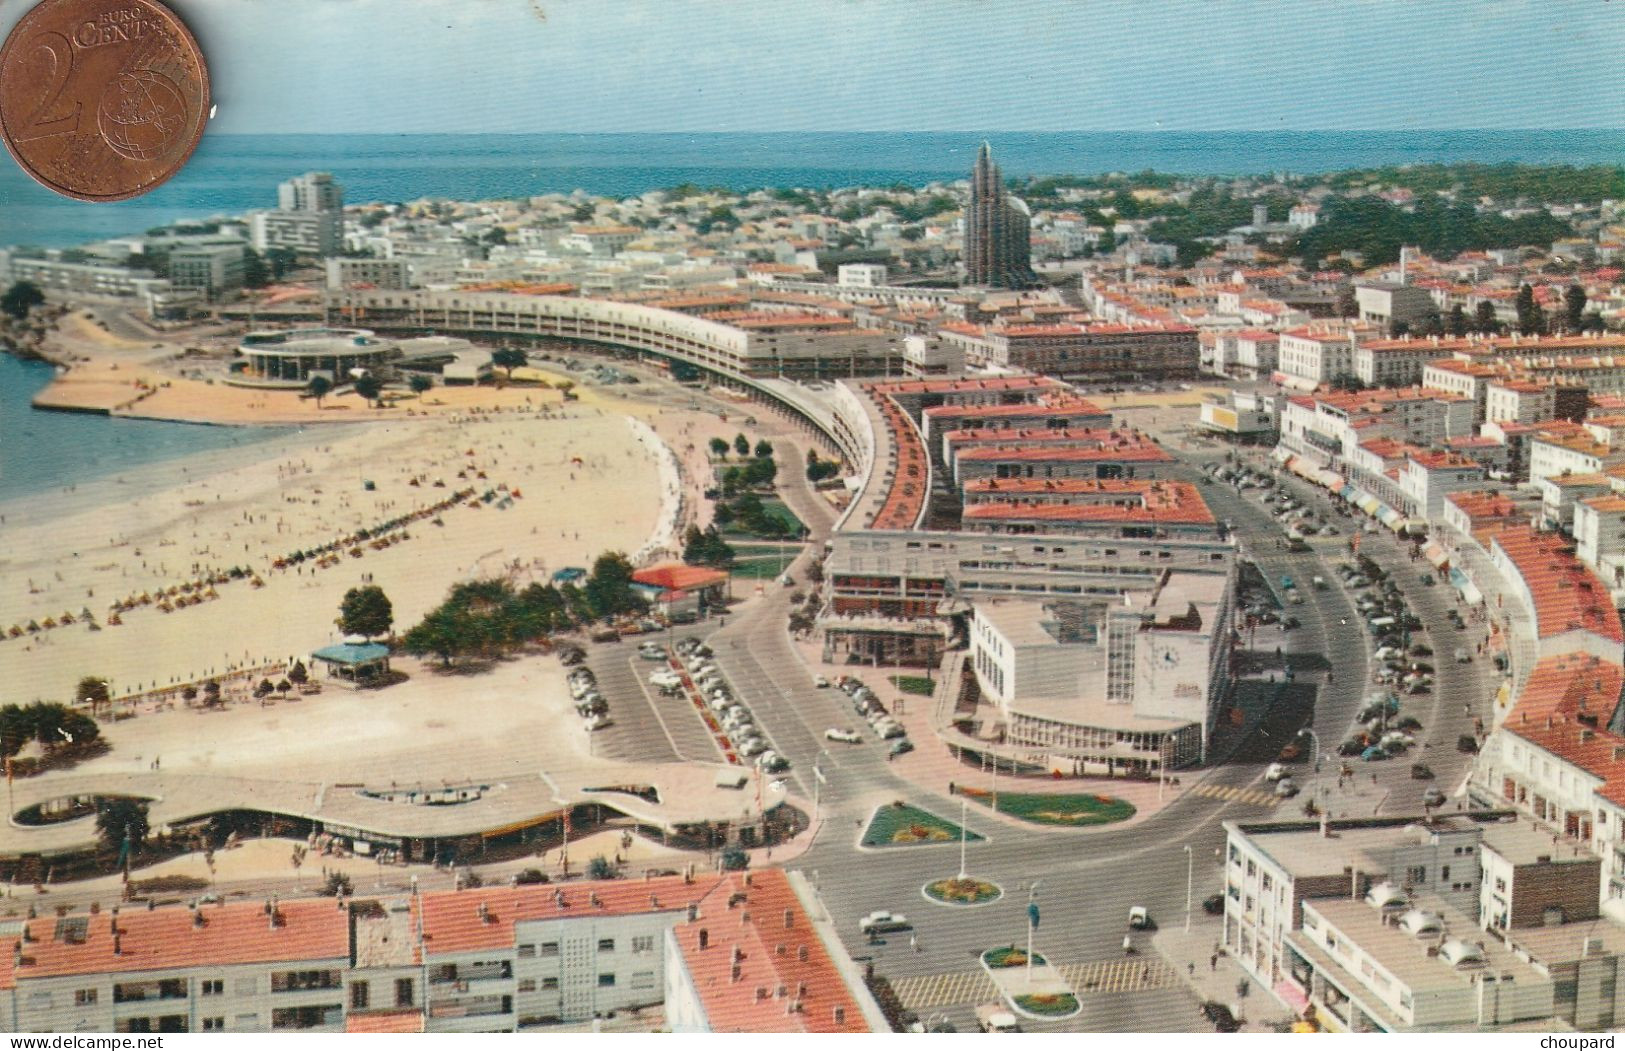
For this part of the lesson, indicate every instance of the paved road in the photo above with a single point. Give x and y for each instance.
(645, 726)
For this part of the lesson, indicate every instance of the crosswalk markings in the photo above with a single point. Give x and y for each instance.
(1129, 975)
(1255, 796)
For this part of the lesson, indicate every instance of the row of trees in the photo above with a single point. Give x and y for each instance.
(487, 618)
(706, 548)
(741, 447)
(1377, 229)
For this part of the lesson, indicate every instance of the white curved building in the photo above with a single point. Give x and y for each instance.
(289, 358)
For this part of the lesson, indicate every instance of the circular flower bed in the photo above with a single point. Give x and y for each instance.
(1049, 1005)
(1010, 956)
(963, 891)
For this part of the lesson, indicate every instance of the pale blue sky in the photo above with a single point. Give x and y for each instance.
(906, 65)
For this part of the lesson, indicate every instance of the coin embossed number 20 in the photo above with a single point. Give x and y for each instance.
(39, 124)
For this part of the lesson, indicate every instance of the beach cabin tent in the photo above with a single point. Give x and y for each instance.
(355, 664)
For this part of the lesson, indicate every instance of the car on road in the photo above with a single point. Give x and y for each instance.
(1421, 772)
(1286, 788)
(890, 730)
(835, 733)
(903, 746)
(1139, 918)
(1213, 905)
(1433, 798)
(1467, 743)
(752, 747)
(665, 679)
(820, 682)
(772, 762)
(881, 922)
(1275, 772)
(596, 722)
(1220, 1016)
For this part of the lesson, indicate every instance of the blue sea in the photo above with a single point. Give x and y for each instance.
(230, 174)
(43, 451)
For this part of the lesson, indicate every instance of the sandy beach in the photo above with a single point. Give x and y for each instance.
(567, 483)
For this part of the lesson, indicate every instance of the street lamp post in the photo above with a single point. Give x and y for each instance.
(1032, 914)
(962, 835)
(1190, 871)
(1315, 740)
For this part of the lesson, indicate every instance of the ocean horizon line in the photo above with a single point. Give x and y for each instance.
(934, 131)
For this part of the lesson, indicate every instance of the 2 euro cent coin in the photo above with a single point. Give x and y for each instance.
(102, 100)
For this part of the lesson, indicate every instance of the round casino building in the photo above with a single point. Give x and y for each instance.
(287, 359)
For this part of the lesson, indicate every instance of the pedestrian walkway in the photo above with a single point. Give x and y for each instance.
(923, 992)
(1194, 958)
(1255, 796)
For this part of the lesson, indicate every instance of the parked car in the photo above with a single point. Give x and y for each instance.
(820, 682)
(1421, 772)
(1433, 798)
(1139, 918)
(880, 922)
(890, 730)
(1286, 788)
(902, 746)
(1220, 1016)
(1467, 743)
(1213, 905)
(665, 679)
(845, 736)
(651, 651)
(1275, 772)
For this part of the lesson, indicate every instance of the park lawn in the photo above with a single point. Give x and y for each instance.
(763, 561)
(918, 685)
(1066, 810)
(901, 826)
(775, 507)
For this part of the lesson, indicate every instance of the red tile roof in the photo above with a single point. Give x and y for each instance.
(1567, 595)
(161, 939)
(1174, 503)
(675, 576)
(1564, 708)
(453, 922)
(764, 969)
(1144, 451)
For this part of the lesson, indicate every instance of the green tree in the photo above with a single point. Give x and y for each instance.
(1347, 305)
(761, 472)
(1574, 308)
(281, 261)
(366, 611)
(255, 273)
(337, 885)
(764, 448)
(706, 548)
(446, 632)
(609, 586)
(735, 860)
(600, 868)
(420, 384)
(20, 298)
(508, 359)
(1528, 312)
(719, 447)
(370, 387)
(741, 444)
(298, 674)
(92, 692)
(319, 387)
(119, 818)
(1484, 317)
(1458, 321)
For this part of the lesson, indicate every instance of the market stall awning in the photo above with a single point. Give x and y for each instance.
(1469, 591)
(1348, 492)
(1436, 555)
(1331, 480)
(1388, 516)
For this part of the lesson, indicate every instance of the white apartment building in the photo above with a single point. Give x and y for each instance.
(862, 275)
(1273, 869)
(1520, 401)
(1551, 455)
(305, 233)
(393, 274)
(1315, 356)
(215, 269)
(1428, 477)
